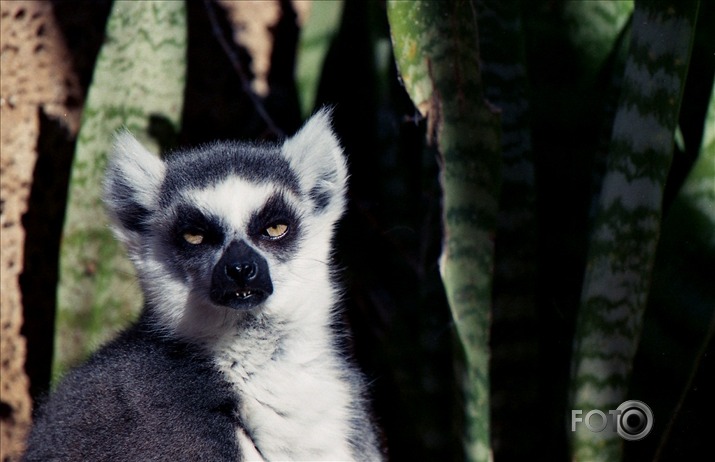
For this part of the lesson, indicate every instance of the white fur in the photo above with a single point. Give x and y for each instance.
(293, 405)
(295, 396)
(312, 152)
(296, 407)
(233, 200)
(306, 275)
(140, 168)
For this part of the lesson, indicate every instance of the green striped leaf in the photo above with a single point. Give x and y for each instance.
(436, 47)
(514, 382)
(315, 39)
(593, 27)
(627, 222)
(138, 83)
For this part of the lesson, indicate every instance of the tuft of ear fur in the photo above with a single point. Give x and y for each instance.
(134, 176)
(314, 153)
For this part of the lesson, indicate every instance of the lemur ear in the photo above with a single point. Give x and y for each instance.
(315, 155)
(131, 187)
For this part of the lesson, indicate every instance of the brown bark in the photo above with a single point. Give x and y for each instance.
(36, 78)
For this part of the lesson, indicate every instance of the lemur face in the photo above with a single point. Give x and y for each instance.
(229, 227)
(223, 240)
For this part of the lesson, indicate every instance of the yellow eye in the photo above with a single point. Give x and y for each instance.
(276, 231)
(193, 238)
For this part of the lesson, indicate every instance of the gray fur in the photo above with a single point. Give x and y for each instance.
(234, 356)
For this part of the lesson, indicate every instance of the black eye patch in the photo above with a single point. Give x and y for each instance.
(276, 213)
(192, 228)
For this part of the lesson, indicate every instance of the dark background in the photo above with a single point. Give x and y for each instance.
(389, 242)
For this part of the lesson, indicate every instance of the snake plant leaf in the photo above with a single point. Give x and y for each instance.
(138, 83)
(593, 27)
(514, 380)
(314, 42)
(627, 222)
(436, 48)
(680, 321)
(699, 187)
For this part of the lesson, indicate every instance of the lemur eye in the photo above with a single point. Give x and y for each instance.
(194, 238)
(276, 231)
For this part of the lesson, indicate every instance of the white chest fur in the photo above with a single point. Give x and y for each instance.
(294, 400)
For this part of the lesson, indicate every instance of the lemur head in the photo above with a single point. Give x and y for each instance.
(231, 231)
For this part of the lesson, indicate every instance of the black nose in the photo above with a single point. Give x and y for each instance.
(242, 272)
(241, 278)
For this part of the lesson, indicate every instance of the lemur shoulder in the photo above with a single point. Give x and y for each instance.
(235, 355)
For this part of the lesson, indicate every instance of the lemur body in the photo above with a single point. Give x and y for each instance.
(235, 356)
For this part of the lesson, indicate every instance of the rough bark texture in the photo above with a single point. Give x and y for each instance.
(48, 51)
(37, 82)
(254, 22)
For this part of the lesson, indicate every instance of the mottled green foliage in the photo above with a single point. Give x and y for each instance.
(436, 47)
(593, 27)
(627, 223)
(138, 83)
(313, 45)
(680, 320)
(514, 344)
(699, 188)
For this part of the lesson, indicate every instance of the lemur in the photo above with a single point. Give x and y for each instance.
(236, 354)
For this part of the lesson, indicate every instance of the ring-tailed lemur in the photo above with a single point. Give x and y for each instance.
(234, 356)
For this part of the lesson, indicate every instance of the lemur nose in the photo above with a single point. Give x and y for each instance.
(242, 272)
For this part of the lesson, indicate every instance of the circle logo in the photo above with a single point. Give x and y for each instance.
(635, 420)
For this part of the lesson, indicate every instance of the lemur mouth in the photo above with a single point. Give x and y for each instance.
(241, 278)
(239, 298)
(245, 294)
(244, 298)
